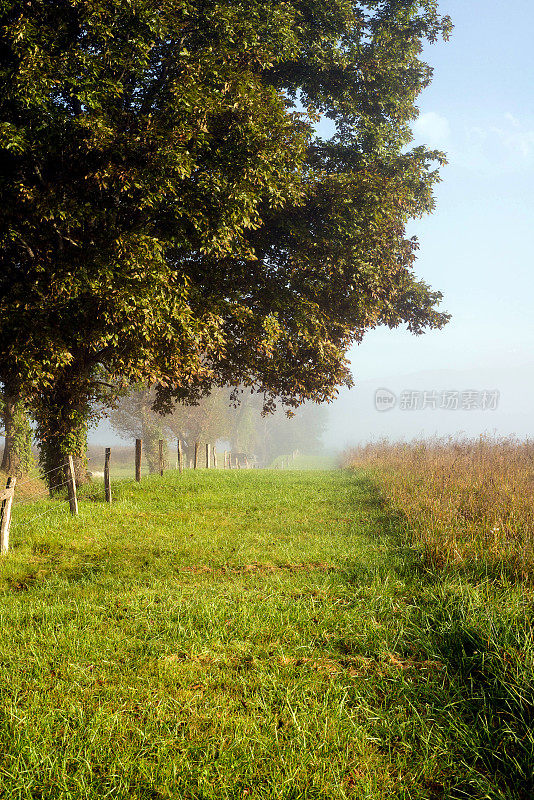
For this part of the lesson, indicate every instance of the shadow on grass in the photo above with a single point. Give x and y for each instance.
(489, 656)
(41, 574)
(387, 532)
(477, 622)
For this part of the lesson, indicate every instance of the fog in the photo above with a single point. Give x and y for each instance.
(354, 419)
(507, 393)
(496, 401)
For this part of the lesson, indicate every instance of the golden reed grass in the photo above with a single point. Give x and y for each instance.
(462, 499)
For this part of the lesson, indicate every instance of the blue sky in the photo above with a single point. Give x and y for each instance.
(477, 246)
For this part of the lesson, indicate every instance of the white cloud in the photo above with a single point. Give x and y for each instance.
(503, 144)
(517, 138)
(507, 144)
(433, 129)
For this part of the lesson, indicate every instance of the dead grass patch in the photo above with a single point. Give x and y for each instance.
(463, 501)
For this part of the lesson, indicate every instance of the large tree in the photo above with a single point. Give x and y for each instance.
(168, 213)
(123, 126)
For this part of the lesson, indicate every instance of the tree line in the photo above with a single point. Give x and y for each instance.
(171, 217)
(241, 427)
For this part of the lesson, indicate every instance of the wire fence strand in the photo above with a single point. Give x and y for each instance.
(34, 498)
(41, 475)
(20, 524)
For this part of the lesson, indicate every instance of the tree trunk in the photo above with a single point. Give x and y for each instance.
(17, 457)
(62, 431)
(152, 433)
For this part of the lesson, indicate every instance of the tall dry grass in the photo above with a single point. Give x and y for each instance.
(462, 499)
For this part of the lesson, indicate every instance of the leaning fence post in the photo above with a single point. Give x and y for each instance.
(107, 481)
(180, 457)
(138, 451)
(195, 464)
(71, 486)
(5, 514)
(208, 456)
(161, 459)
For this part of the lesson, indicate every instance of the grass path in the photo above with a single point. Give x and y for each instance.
(252, 634)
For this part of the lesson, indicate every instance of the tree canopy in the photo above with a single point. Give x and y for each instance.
(124, 126)
(169, 214)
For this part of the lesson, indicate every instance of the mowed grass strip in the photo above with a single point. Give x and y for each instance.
(243, 634)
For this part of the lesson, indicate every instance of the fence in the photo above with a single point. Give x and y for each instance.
(211, 460)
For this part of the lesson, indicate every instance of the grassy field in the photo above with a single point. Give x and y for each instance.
(465, 502)
(254, 634)
(304, 461)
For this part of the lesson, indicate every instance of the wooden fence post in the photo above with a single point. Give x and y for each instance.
(6, 498)
(161, 443)
(215, 464)
(208, 456)
(225, 459)
(195, 463)
(107, 481)
(138, 452)
(71, 486)
(180, 457)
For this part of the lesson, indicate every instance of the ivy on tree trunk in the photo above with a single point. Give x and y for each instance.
(62, 423)
(17, 457)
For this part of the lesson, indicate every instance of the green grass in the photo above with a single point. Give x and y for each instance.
(254, 634)
(321, 461)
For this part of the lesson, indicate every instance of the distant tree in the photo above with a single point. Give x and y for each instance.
(207, 421)
(245, 424)
(303, 432)
(169, 216)
(133, 418)
(270, 435)
(215, 418)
